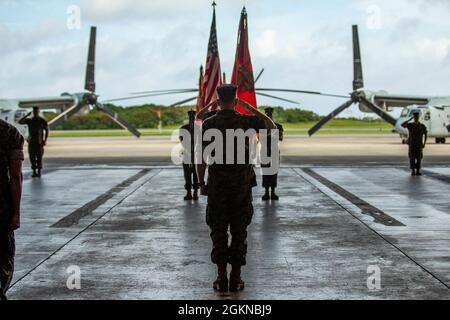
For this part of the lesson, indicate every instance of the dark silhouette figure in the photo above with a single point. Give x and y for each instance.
(11, 157)
(38, 134)
(270, 181)
(229, 189)
(417, 140)
(190, 173)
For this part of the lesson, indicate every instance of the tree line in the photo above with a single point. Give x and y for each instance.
(148, 116)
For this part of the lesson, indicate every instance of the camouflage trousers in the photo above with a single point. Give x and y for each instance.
(190, 177)
(7, 252)
(36, 152)
(269, 181)
(233, 212)
(415, 158)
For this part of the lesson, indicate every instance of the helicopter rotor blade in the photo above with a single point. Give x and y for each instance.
(164, 91)
(304, 92)
(259, 75)
(330, 117)
(183, 101)
(147, 95)
(358, 78)
(378, 111)
(278, 98)
(65, 115)
(118, 119)
(89, 84)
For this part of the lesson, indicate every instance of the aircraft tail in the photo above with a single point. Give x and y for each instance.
(358, 80)
(90, 67)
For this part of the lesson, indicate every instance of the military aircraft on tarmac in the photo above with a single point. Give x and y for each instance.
(11, 110)
(434, 111)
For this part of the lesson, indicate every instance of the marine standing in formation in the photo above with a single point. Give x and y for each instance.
(38, 134)
(417, 140)
(11, 157)
(229, 190)
(190, 173)
(270, 181)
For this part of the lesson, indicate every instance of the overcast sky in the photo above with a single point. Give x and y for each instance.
(160, 44)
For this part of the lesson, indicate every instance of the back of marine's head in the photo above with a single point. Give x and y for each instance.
(227, 96)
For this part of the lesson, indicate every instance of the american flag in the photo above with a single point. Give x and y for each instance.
(212, 78)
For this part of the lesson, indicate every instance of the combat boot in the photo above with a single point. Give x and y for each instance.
(195, 197)
(413, 173)
(38, 173)
(418, 173)
(221, 284)
(34, 175)
(274, 195)
(236, 283)
(266, 196)
(188, 196)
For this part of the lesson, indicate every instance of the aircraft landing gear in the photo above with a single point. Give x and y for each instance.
(441, 140)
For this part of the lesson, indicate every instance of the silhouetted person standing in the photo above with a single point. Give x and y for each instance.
(417, 140)
(38, 134)
(11, 157)
(270, 181)
(190, 174)
(229, 187)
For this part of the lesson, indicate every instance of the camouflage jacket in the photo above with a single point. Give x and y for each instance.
(11, 148)
(237, 175)
(417, 131)
(36, 127)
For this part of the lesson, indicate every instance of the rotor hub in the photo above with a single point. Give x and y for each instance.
(90, 98)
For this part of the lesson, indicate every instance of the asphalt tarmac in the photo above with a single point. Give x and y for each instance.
(295, 150)
(351, 223)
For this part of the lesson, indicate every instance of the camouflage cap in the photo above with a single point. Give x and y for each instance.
(227, 92)
(269, 110)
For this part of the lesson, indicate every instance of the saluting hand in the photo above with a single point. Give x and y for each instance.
(246, 105)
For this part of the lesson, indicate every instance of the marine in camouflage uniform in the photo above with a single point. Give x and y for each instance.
(38, 134)
(417, 140)
(229, 191)
(190, 173)
(270, 181)
(11, 151)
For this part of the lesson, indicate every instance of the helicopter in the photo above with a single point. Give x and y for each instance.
(70, 104)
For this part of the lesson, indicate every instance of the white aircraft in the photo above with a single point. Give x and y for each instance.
(11, 110)
(434, 111)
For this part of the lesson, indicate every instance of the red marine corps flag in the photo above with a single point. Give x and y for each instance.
(243, 70)
(212, 77)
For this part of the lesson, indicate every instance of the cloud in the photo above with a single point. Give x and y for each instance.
(112, 10)
(17, 40)
(265, 45)
(145, 45)
(434, 48)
